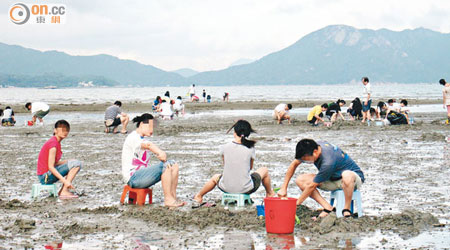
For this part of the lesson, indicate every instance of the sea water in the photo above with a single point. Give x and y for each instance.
(348, 92)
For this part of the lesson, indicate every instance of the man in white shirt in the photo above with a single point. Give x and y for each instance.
(192, 91)
(38, 110)
(367, 101)
(281, 112)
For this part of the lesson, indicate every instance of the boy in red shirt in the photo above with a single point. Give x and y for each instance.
(51, 169)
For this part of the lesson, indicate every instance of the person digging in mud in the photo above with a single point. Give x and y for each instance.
(334, 109)
(50, 167)
(114, 117)
(336, 171)
(281, 112)
(315, 114)
(238, 157)
(38, 111)
(137, 172)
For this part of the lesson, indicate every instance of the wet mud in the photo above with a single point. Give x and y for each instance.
(406, 190)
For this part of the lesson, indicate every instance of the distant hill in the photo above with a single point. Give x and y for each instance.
(341, 54)
(334, 54)
(22, 65)
(241, 62)
(185, 72)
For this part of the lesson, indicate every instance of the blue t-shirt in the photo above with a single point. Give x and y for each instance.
(332, 162)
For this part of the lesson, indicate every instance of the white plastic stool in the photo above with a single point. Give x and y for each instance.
(240, 199)
(37, 188)
(339, 197)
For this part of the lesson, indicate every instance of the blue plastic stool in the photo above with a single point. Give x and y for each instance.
(37, 188)
(339, 197)
(240, 199)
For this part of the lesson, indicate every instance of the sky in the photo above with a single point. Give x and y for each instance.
(208, 34)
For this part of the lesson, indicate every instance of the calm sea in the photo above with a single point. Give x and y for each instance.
(237, 93)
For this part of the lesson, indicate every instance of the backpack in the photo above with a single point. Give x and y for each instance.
(396, 118)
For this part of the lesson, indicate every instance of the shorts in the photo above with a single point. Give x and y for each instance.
(330, 113)
(41, 113)
(366, 108)
(113, 123)
(314, 119)
(49, 178)
(256, 179)
(148, 176)
(448, 109)
(335, 185)
(8, 122)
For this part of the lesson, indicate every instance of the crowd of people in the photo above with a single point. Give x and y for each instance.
(386, 113)
(336, 169)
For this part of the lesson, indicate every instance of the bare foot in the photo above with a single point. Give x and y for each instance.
(175, 204)
(198, 199)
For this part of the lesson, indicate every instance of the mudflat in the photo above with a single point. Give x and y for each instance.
(405, 193)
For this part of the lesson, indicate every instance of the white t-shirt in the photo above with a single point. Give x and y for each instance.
(395, 107)
(39, 106)
(280, 107)
(178, 105)
(7, 114)
(166, 109)
(367, 90)
(133, 156)
(192, 90)
(404, 109)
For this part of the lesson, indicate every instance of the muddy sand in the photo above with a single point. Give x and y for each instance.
(405, 196)
(198, 106)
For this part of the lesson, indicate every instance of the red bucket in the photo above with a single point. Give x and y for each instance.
(280, 214)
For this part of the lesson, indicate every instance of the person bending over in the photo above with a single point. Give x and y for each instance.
(281, 112)
(336, 171)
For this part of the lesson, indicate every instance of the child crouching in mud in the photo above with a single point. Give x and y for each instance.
(238, 157)
(137, 172)
(51, 169)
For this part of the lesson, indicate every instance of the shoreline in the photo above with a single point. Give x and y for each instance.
(232, 105)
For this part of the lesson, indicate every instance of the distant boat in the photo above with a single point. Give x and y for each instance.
(50, 87)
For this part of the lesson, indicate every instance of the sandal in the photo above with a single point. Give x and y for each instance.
(347, 210)
(202, 204)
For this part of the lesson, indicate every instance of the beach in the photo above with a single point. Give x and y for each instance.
(405, 196)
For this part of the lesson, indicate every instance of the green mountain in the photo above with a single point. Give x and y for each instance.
(341, 54)
(21, 66)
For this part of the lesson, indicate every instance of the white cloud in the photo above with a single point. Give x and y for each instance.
(208, 35)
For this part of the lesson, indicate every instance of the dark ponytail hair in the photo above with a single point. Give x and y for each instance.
(144, 118)
(339, 100)
(243, 129)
